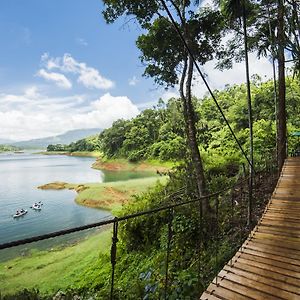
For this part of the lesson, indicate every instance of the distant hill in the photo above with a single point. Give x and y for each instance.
(65, 138)
(6, 141)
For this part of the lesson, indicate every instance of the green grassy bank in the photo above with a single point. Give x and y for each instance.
(50, 271)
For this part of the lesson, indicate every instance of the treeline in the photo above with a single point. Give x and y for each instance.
(87, 144)
(154, 133)
(8, 148)
(159, 132)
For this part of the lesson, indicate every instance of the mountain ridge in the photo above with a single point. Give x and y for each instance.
(64, 138)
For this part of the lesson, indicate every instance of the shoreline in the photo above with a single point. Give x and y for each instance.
(79, 154)
(125, 165)
(114, 194)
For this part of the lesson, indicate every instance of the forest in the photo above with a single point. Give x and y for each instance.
(233, 140)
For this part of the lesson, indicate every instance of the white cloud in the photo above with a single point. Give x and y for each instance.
(32, 92)
(133, 81)
(34, 115)
(88, 76)
(204, 3)
(169, 94)
(91, 78)
(218, 79)
(105, 110)
(59, 79)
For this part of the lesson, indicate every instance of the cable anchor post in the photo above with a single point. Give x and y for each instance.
(113, 256)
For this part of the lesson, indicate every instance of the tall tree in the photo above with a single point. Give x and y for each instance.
(292, 22)
(236, 12)
(283, 41)
(281, 87)
(166, 59)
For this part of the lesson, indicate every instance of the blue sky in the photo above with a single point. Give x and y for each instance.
(62, 68)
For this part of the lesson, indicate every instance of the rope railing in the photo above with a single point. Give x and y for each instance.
(215, 218)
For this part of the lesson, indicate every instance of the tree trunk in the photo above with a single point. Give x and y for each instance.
(192, 140)
(281, 88)
(274, 78)
(189, 117)
(250, 119)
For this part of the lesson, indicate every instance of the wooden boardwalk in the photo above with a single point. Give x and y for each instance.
(267, 266)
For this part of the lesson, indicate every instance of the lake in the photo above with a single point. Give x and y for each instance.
(22, 173)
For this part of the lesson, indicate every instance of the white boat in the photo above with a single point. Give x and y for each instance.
(20, 213)
(36, 206)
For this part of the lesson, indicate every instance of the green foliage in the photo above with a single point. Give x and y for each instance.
(88, 144)
(154, 134)
(8, 148)
(57, 147)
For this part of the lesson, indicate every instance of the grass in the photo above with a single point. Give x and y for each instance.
(124, 165)
(50, 271)
(112, 195)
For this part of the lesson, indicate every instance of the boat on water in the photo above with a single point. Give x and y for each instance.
(37, 206)
(20, 213)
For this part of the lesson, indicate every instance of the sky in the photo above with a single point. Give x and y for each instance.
(63, 68)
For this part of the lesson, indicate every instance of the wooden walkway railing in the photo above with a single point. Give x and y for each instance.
(267, 266)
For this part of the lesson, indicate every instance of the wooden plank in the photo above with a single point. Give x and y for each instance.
(290, 212)
(224, 293)
(286, 203)
(244, 286)
(289, 240)
(283, 208)
(238, 291)
(279, 204)
(285, 217)
(263, 266)
(290, 281)
(270, 261)
(278, 230)
(285, 211)
(286, 253)
(207, 296)
(285, 200)
(289, 191)
(277, 244)
(258, 283)
(275, 257)
(268, 221)
(277, 226)
(289, 182)
(285, 197)
(279, 222)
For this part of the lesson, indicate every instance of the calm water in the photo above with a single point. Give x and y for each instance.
(20, 174)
